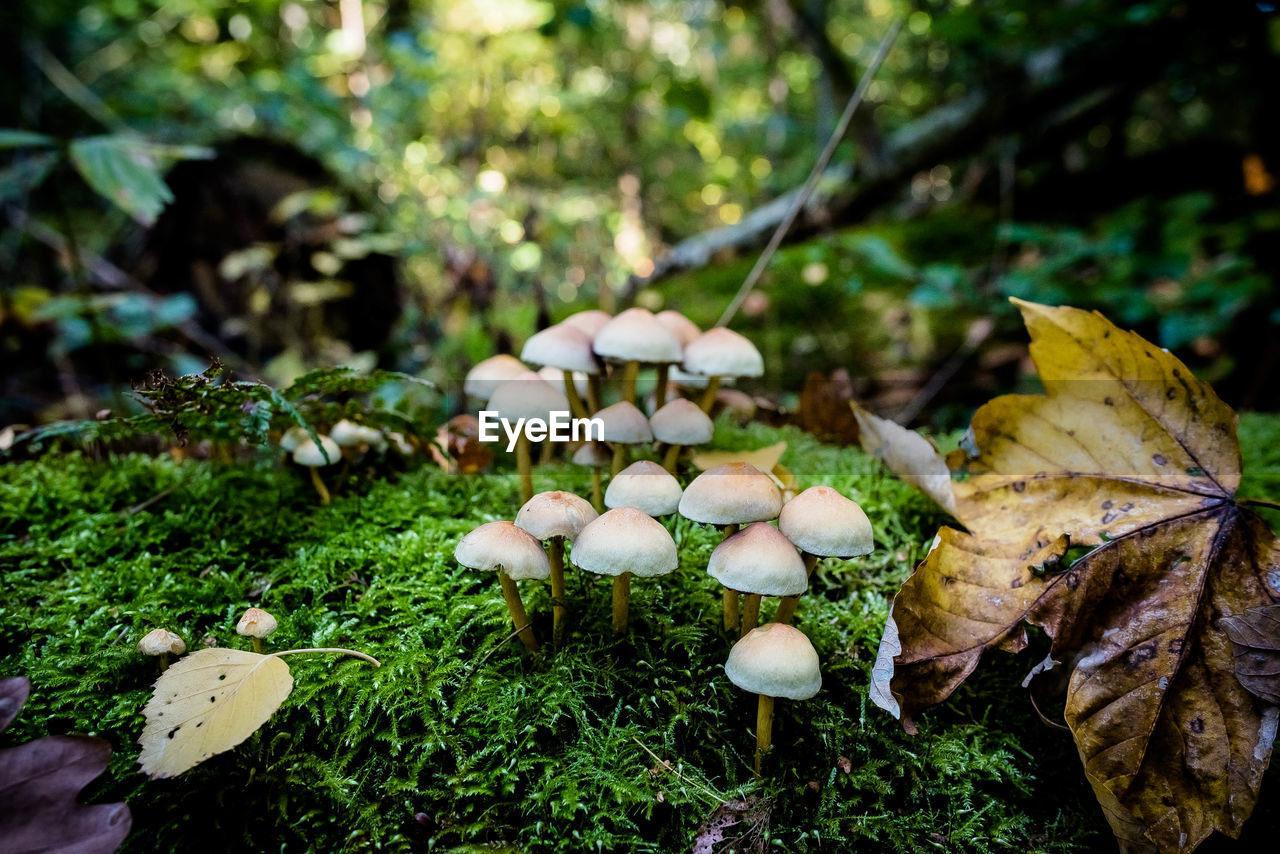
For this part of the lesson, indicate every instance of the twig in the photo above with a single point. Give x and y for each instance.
(716, 796)
(824, 159)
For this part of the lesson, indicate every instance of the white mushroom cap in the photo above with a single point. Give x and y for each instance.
(161, 642)
(307, 454)
(293, 437)
(594, 455)
(777, 661)
(678, 325)
(625, 540)
(722, 352)
(504, 547)
(823, 522)
(484, 377)
(564, 347)
(555, 377)
(636, 336)
(731, 494)
(349, 434)
(555, 514)
(590, 321)
(527, 396)
(681, 422)
(625, 424)
(758, 559)
(684, 379)
(256, 623)
(646, 486)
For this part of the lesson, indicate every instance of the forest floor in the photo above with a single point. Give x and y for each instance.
(460, 740)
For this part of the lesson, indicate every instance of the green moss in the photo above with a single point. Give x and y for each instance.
(459, 739)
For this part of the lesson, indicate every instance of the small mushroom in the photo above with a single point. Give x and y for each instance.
(624, 542)
(356, 437)
(633, 338)
(527, 396)
(162, 643)
(597, 457)
(556, 517)
(624, 425)
(686, 331)
(591, 322)
(731, 495)
(822, 523)
(569, 349)
(719, 353)
(678, 424)
(758, 561)
(293, 437)
(515, 555)
(646, 486)
(773, 661)
(313, 456)
(256, 624)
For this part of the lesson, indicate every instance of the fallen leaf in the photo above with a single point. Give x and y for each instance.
(457, 447)
(1130, 455)
(1255, 640)
(824, 408)
(910, 456)
(206, 703)
(739, 826)
(39, 782)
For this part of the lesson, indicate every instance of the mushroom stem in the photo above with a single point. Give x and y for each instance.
(597, 494)
(576, 406)
(660, 391)
(709, 395)
(164, 661)
(524, 464)
(670, 457)
(559, 598)
(319, 485)
(257, 645)
(630, 371)
(764, 728)
(619, 457)
(515, 607)
(787, 607)
(730, 609)
(750, 614)
(621, 602)
(593, 392)
(546, 451)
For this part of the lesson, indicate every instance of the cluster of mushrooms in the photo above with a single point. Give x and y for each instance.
(254, 624)
(754, 559)
(345, 442)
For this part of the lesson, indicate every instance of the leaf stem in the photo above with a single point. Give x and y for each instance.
(339, 650)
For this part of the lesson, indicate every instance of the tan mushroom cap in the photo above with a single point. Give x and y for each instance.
(527, 396)
(307, 454)
(256, 623)
(590, 321)
(349, 434)
(594, 455)
(823, 522)
(759, 559)
(722, 352)
(161, 642)
(731, 494)
(682, 422)
(646, 486)
(625, 540)
(484, 377)
(504, 547)
(678, 325)
(293, 437)
(555, 514)
(564, 347)
(625, 424)
(635, 335)
(777, 661)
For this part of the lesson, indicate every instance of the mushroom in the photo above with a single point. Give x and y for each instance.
(633, 338)
(556, 517)
(161, 642)
(590, 321)
(758, 561)
(624, 542)
(719, 353)
(293, 437)
(680, 423)
(527, 396)
(646, 486)
(822, 523)
(256, 624)
(484, 376)
(313, 454)
(596, 456)
(357, 437)
(624, 425)
(685, 331)
(515, 555)
(731, 495)
(569, 349)
(773, 661)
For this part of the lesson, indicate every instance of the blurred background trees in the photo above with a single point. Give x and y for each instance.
(417, 184)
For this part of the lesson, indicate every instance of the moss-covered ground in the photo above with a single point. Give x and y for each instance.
(460, 740)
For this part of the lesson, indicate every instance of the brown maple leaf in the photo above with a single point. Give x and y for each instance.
(1129, 454)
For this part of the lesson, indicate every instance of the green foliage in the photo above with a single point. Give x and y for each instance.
(483, 745)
